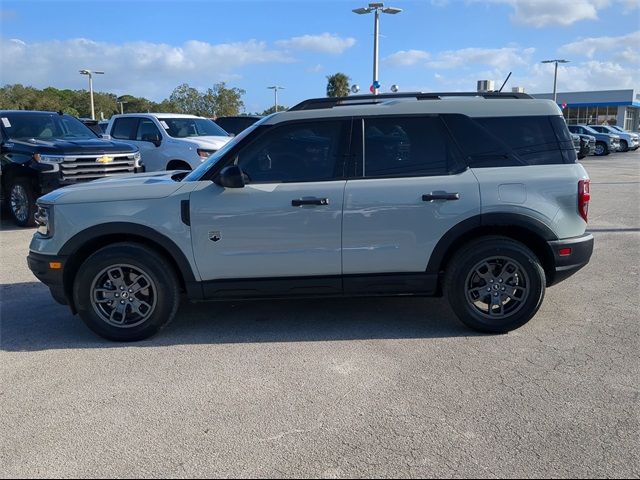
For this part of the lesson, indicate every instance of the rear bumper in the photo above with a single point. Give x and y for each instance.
(565, 264)
(53, 278)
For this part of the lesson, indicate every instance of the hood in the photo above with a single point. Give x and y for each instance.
(209, 142)
(86, 146)
(139, 186)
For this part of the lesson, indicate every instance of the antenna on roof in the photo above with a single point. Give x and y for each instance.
(505, 82)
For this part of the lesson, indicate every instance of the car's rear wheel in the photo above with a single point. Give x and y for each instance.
(495, 284)
(21, 201)
(126, 292)
(601, 149)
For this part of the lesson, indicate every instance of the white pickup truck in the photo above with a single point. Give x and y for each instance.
(169, 141)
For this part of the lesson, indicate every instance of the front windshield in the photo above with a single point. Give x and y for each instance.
(191, 127)
(45, 126)
(196, 174)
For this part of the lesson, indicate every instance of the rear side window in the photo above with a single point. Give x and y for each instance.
(124, 128)
(533, 139)
(407, 147)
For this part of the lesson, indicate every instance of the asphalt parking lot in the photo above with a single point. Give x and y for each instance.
(384, 387)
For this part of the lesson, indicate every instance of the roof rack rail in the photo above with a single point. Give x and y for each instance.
(330, 102)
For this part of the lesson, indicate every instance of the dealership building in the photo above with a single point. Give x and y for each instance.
(613, 107)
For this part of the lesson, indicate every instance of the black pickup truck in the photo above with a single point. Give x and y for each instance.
(42, 151)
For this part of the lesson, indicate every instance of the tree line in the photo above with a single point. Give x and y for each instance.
(217, 101)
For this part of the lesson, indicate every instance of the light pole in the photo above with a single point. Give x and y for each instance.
(90, 74)
(121, 103)
(376, 8)
(555, 76)
(275, 89)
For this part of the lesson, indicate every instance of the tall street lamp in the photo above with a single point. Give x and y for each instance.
(555, 75)
(275, 89)
(90, 74)
(376, 8)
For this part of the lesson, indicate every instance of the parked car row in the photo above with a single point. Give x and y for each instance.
(606, 139)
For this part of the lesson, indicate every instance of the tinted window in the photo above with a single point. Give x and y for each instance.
(481, 147)
(147, 129)
(302, 152)
(409, 146)
(191, 127)
(124, 128)
(44, 126)
(532, 139)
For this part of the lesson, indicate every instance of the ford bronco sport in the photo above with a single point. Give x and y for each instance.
(477, 197)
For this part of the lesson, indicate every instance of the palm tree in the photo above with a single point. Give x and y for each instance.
(337, 85)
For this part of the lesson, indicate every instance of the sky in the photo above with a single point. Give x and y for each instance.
(147, 48)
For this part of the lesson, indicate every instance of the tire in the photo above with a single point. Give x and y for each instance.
(21, 202)
(601, 149)
(515, 275)
(101, 279)
(624, 146)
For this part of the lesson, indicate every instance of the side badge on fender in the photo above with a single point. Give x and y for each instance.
(214, 236)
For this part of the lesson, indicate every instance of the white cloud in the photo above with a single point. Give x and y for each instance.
(625, 48)
(139, 68)
(500, 58)
(590, 75)
(407, 58)
(323, 43)
(542, 13)
(315, 69)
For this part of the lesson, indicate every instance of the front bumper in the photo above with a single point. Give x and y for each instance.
(566, 264)
(53, 278)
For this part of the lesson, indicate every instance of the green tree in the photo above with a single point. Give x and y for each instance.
(270, 110)
(221, 101)
(337, 85)
(187, 99)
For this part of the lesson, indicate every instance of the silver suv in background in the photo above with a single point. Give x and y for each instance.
(168, 141)
(605, 142)
(479, 199)
(628, 140)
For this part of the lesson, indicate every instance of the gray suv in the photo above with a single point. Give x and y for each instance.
(479, 199)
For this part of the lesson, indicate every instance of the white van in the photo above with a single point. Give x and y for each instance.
(169, 141)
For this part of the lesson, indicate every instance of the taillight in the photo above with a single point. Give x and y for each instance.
(584, 195)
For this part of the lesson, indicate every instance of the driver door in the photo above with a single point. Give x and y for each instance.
(286, 222)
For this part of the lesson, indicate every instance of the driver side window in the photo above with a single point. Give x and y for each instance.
(147, 129)
(300, 152)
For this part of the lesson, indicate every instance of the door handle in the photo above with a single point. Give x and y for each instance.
(309, 201)
(430, 197)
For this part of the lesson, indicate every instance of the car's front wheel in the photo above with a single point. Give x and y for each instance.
(601, 149)
(624, 146)
(126, 292)
(21, 201)
(495, 284)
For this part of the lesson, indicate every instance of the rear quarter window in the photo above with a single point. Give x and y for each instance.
(511, 141)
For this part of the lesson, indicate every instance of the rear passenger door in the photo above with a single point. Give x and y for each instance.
(408, 187)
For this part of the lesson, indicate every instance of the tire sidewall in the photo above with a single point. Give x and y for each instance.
(468, 258)
(605, 149)
(146, 260)
(624, 146)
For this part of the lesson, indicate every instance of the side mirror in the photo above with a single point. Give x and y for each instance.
(153, 138)
(231, 177)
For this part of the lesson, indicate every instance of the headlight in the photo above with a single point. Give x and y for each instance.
(48, 159)
(44, 220)
(205, 153)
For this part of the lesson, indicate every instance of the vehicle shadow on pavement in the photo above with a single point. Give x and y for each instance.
(30, 320)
